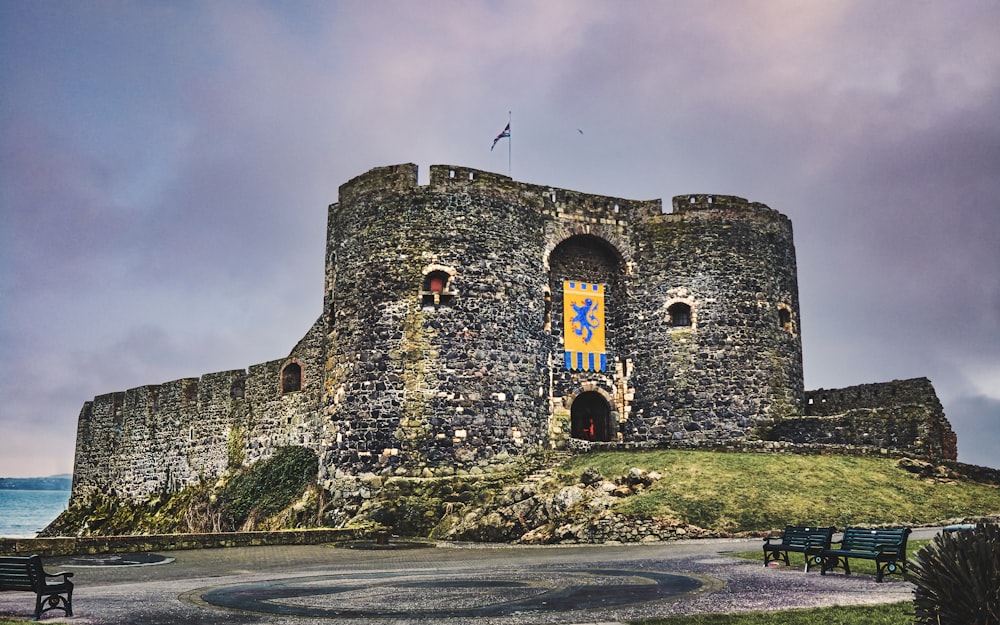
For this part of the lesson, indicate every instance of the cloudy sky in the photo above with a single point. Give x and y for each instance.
(165, 169)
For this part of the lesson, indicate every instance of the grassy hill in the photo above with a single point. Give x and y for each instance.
(665, 494)
(623, 496)
(739, 492)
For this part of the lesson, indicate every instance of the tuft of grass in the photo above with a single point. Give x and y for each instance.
(884, 614)
(740, 492)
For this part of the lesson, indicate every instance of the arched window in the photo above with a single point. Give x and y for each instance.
(291, 378)
(680, 314)
(436, 289)
(785, 318)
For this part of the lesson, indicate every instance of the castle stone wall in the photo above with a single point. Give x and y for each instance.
(901, 415)
(272, 417)
(825, 402)
(163, 437)
(736, 365)
(452, 382)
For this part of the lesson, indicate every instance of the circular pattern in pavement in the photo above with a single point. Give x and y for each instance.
(126, 559)
(450, 595)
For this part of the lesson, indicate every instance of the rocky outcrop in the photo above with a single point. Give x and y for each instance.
(585, 512)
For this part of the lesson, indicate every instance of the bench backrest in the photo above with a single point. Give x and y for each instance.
(807, 536)
(20, 573)
(892, 541)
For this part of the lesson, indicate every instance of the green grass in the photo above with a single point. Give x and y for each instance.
(885, 614)
(739, 492)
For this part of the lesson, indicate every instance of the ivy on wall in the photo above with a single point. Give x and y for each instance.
(269, 486)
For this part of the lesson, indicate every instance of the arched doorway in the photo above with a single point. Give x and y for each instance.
(590, 417)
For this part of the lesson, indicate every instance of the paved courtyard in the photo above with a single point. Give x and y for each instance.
(450, 584)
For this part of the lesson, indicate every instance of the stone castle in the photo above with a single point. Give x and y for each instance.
(476, 318)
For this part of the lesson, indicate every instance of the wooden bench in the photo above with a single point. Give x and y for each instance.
(887, 547)
(809, 541)
(27, 574)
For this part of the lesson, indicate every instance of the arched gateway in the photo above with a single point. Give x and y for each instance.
(590, 417)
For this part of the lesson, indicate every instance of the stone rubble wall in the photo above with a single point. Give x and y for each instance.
(103, 545)
(902, 415)
(617, 528)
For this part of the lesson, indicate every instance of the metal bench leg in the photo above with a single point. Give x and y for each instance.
(55, 601)
(813, 560)
(887, 568)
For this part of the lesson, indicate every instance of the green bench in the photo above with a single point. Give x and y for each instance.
(809, 541)
(887, 547)
(27, 574)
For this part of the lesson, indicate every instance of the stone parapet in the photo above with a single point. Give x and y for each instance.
(93, 545)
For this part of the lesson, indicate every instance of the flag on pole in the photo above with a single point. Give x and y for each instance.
(502, 135)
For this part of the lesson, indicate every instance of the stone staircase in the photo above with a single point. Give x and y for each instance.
(547, 470)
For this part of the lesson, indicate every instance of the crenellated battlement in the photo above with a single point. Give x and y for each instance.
(697, 201)
(450, 176)
(725, 206)
(383, 181)
(379, 180)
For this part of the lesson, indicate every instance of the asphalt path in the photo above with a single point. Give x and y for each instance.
(450, 584)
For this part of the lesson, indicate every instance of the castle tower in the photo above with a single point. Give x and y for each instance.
(463, 320)
(436, 352)
(716, 321)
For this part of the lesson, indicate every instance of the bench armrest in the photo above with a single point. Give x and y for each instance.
(64, 574)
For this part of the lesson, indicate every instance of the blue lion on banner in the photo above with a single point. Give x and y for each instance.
(586, 318)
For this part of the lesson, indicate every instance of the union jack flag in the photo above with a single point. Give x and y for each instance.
(504, 134)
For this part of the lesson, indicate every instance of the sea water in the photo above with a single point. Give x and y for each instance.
(24, 513)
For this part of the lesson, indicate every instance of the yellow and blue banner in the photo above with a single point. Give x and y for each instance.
(583, 326)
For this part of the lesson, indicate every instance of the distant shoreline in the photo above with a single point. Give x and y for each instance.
(53, 482)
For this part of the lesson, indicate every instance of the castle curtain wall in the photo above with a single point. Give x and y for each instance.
(164, 437)
(152, 438)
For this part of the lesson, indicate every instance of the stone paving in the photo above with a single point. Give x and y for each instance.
(450, 584)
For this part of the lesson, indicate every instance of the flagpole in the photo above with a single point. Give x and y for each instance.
(510, 137)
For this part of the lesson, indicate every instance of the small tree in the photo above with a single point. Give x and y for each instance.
(957, 578)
